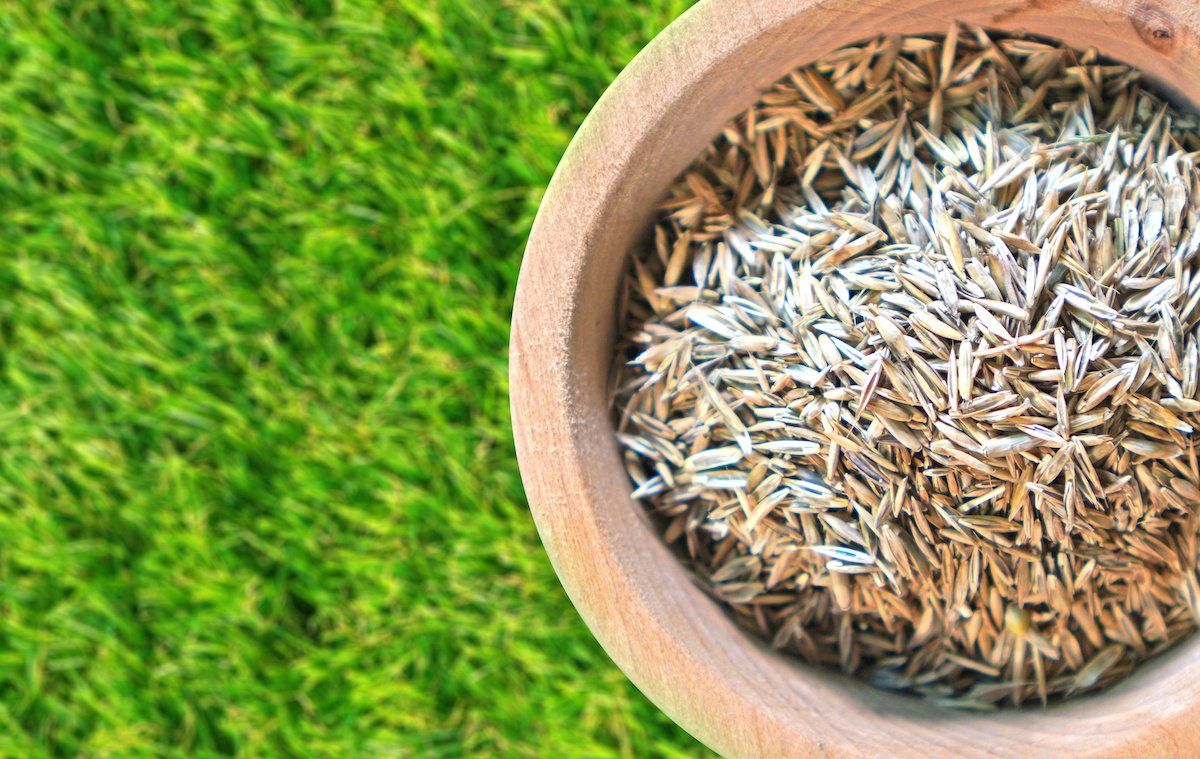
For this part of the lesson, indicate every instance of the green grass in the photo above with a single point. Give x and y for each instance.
(257, 485)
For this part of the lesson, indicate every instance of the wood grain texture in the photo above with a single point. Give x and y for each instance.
(674, 642)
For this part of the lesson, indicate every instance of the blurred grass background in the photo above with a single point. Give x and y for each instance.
(257, 487)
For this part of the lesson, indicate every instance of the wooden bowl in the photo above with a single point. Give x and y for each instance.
(673, 641)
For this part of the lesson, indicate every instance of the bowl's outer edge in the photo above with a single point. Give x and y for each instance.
(673, 642)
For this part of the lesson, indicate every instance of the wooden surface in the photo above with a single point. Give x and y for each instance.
(672, 640)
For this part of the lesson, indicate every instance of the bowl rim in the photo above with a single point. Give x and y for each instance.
(669, 638)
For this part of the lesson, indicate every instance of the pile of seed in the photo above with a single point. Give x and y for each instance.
(910, 369)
